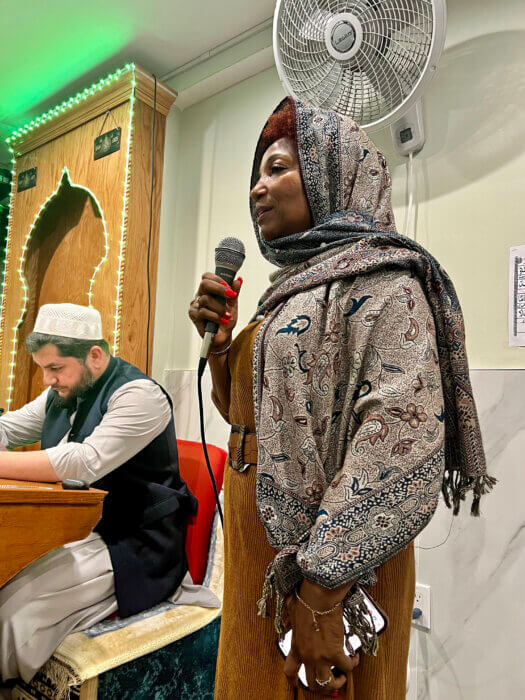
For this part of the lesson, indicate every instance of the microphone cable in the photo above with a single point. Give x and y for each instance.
(200, 372)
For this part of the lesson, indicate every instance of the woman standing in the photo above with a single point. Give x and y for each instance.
(351, 408)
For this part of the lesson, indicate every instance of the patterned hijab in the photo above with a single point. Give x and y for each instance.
(347, 185)
(348, 188)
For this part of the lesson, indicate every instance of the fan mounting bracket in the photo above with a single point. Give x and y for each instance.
(343, 36)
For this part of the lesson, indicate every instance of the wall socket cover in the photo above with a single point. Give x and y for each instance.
(408, 132)
(422, 601)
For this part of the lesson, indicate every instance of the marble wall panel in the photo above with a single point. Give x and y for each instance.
(475, 648)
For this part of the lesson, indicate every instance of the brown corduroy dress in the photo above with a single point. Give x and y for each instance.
(250, 666)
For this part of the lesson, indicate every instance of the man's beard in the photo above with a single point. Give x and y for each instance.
(84, 384)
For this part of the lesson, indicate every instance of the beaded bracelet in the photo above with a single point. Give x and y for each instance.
(316, 612)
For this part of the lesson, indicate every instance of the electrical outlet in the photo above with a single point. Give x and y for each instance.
(422, 603)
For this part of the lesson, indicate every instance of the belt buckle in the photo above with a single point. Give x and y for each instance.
(237, 463)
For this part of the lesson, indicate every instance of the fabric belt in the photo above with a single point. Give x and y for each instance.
(242, 448)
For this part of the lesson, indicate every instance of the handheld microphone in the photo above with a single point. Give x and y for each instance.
(229, 256)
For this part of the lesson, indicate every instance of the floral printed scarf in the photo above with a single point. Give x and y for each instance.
(363, 403)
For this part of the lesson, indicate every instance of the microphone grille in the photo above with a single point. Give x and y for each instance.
(230, 251)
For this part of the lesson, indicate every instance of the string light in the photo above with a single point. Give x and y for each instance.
(6, 257)
(71, 102)
(123, 227)
(30, 126)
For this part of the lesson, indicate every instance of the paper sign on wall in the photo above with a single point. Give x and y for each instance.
(517, 296)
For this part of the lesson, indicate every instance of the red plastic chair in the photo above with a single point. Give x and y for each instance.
(192, 467)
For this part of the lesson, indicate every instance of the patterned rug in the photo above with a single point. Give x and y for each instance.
(156, 648)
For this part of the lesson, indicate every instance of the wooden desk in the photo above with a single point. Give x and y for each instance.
(38, 517)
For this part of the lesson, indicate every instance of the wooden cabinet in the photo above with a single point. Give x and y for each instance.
(86, 230)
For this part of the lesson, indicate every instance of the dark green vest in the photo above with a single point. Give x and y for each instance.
(145, 511)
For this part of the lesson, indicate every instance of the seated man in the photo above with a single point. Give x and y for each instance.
(105, 422)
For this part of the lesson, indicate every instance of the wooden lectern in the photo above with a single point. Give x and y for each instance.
(84, 220)
(36, 518)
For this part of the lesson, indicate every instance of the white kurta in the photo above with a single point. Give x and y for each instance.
(137, 413)
(72, 587)
(66, 590)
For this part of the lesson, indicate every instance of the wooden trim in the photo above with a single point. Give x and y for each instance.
(108, 98)
(105, 179)
(134, 312)
(39, 492)
(93, 106)
(89, 689)
(145, 87)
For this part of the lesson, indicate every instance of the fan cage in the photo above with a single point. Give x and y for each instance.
(402, 42)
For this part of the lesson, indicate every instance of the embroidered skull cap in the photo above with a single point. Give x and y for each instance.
(69, 321)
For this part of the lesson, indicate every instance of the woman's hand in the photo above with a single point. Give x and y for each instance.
(205, 307)
(318, 650)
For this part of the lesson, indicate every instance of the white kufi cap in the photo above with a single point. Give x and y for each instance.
(69, 321)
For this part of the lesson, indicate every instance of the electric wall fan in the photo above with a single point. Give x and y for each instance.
(367, 59)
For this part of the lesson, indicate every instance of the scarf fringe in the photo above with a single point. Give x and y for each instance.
(62, 677)
(360, 623)
(355, 612)
(456, 486)
(270, 591)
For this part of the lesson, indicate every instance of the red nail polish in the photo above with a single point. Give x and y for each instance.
(225, 321)
(230, 293)
(335, 694)
(228, 316)
(240, 279)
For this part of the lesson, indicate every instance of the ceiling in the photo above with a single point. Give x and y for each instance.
(53, 49)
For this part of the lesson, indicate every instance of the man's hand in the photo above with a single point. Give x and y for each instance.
(26, 466)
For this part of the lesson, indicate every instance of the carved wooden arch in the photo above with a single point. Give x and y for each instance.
(64, 252)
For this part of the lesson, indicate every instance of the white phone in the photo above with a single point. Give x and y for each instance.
(377, 616)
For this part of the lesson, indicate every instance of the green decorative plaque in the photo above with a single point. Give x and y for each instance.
(107, 143)
(27, 179)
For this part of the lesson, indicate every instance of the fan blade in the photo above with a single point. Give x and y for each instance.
(308, 19)
(397, 39)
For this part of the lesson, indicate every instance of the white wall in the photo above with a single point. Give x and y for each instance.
(205, 198)
(469, 179)
(470, 174)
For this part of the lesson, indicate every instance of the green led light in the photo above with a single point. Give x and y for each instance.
(116, 330)
(7, 242)
(67, 104)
